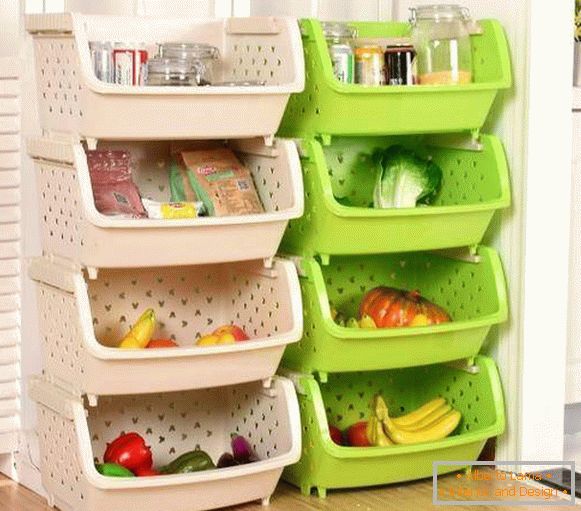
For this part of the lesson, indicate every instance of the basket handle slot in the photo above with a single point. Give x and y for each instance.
(49, 23)
(252, 25)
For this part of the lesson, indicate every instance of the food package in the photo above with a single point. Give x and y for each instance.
(173, 210)
(217, 178)
(114, 191)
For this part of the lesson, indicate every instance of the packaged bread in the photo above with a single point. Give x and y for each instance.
(217, 178)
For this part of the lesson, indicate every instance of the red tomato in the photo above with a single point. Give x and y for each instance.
(162, 343)
(357, 435)
(336, 435)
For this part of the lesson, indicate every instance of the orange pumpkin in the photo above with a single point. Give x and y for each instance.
(391, 308)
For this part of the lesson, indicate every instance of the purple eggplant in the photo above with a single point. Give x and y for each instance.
(227, 460)
(242, 450)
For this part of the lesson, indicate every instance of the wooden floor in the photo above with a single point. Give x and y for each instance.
(415, 496)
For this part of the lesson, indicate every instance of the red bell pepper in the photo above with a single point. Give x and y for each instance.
(129, 451)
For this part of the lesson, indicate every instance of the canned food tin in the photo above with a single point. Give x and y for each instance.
(369, 68)
(102, 59)
(343, 62)
(130, 64)
(399, 63)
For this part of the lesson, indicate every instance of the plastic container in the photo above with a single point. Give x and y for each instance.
(73, 435)
(441, 37)
(82, 322)
(202, 57)
(73, 100)
(345, 399)
(473, 293)
(475, 184)
(73, 229)
(329, 107)
(170, 72)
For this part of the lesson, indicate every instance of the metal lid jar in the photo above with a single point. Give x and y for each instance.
(203, 58)
(170, 72)
(441, 38)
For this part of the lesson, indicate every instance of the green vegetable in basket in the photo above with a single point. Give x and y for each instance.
(113, 470)
(404, 179)
(192, 461)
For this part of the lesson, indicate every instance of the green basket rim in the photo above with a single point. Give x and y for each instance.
(314, 150)
(313, 26)
(344, 452)
(312, 270)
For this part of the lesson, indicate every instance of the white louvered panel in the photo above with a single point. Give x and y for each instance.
(10, 372)
(9, 196)
(9, 106)
(9, 267)
(10, 254)
(9, 178)
(10, 161)
(9, 249)
(9, 285)
(9, 408)
(9, 390)
(9, 142)
(9, 424)
(9, 124)
(9, 214)
(8, 88)
(9, 337)
(9, 232)
(9, 320)
(9, 303)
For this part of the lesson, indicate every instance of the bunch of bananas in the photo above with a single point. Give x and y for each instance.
(433, 421)
(141, 332)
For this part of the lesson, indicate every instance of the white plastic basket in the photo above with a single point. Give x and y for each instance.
(73, 436)
(72, 227)
(72, 100)
(83, 320)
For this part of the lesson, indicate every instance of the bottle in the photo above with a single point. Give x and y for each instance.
(339, 38)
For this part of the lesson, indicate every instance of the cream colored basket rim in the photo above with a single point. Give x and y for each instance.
(69, 278)
(75, 23)
(72, 408)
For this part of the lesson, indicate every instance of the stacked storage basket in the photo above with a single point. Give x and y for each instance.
(342, 251)
(97, 273)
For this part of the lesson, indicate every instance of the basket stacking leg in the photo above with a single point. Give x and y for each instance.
(322, 492)
(265, 501)
(50, 500)
(306, 490)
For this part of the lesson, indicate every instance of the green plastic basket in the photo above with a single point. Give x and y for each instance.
(345, 400)
(327, 106)
(475, 184)
(473, 293)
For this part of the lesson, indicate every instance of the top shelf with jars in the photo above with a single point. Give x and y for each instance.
(439, 73)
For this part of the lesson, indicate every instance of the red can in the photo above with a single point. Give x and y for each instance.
(129, 64)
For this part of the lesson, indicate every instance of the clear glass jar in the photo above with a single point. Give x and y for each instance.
(441, 38)
(170, 72)
(339, 37)
(203, 58)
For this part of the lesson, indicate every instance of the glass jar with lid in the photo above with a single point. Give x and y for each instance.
(203, 58)
(339, 37)
(170, 72)
(441, 38)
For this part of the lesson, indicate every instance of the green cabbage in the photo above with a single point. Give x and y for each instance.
(404, 179)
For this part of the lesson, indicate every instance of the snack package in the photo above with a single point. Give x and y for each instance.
(114, 191)
(217, 178)
(172, 210)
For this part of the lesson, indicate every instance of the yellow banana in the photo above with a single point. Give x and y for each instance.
(375, 433)
(420, 413)
(141, 332)
(426, 422)
(437, 430)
